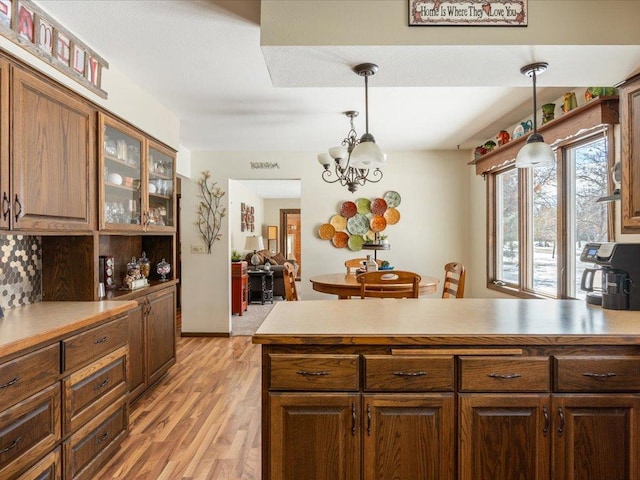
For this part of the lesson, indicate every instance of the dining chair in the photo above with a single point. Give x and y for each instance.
(389, 284)
(289, 274)
(355, 263)
(454, 277)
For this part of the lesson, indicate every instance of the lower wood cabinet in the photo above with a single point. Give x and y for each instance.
(152, 339)
(49, 468)
(547, 413)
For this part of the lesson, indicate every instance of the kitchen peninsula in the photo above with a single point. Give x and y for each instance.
(450, 389)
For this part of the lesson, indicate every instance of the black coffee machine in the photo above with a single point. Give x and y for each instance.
(620, 265)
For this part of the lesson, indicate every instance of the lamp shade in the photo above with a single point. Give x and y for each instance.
(535, 153)
(367, 153)
(324, 159)
(254, 243)
(338, 152)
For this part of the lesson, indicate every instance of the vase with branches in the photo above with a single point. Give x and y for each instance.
(210, 211)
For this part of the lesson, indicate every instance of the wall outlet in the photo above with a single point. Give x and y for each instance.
(197, 248)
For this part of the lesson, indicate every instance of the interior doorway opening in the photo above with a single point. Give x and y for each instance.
(290, 240)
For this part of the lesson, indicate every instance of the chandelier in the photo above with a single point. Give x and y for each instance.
(357, 161)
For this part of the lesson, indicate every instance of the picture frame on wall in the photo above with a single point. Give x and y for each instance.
(5, 13)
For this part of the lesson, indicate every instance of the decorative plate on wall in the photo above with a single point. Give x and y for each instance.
(392, 198)
(348, 209)
(358, 224)
(392, 216)
(378, 206)
(355, 242)
(338, 222)
(364, 205)
(340, 240)
(378, 223)
(326, 231)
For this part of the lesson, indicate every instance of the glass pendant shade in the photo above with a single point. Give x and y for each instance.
(535, 153)
(338, 152)
(367, 154)
(324, 159)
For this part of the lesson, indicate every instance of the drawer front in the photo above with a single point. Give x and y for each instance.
(49, 468)
(85, 451)
(504, 374)
(597, 374)
(315, 372)
(93, 387)
(29, 430)
(94, 343)
(24, 376)
(408, 373)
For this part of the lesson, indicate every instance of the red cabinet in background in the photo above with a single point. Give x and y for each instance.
(239, 287)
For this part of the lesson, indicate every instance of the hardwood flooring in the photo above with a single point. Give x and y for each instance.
(202, 421)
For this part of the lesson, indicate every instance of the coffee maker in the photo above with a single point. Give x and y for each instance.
(620, 265)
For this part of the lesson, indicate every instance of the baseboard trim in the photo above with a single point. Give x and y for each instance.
(205, 334)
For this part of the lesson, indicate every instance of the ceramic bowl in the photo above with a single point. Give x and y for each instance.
(152, 188)
(114, 178)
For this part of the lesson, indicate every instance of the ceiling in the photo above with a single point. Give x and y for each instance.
(203, 60)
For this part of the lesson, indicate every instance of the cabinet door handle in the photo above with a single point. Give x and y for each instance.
(10, 382)
(19, 208)
(353, 419)
(6, 206)
(561, 426)
(599, 375)
(409, 374)
(11, 445)
(368, 419)
(100, 340)
(102, 438)
(312, 374)
(104, 383)
(504, 377)
(545, 414)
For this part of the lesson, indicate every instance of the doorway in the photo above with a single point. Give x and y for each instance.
(290, 241)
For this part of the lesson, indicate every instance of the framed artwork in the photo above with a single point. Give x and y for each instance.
(63, 48)
(25, 23)
(5, 13)
(78, 59)
(468, 12)
(45, 36)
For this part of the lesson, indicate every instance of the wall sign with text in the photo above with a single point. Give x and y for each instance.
(490, 13)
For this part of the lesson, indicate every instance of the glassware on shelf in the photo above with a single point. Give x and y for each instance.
(163, 269)
(145, 265)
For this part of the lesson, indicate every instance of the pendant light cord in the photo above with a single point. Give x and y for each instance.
(535, 112)
(366, 103)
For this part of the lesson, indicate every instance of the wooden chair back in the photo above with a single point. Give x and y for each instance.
(454, 277)
(355, 263)
(289, 276)
(389, 284)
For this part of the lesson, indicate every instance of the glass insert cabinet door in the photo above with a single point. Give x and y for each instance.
(122, 178)
(160, 188)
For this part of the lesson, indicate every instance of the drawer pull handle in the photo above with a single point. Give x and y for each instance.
(103, 384)
(504, 377)
(102, 438)
(10, 382)
(599, 375)
(545, 414)
(353, 419)
(312, 374)
(561, 426)
(368, 419)
(6, 206)
(101, 340)
(11, 445)
(410, 374)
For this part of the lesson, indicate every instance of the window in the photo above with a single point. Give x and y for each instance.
(541, 218)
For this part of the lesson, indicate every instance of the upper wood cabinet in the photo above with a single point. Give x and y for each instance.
(630, 189)
(52, 157)
(137, 178)
(5, 200)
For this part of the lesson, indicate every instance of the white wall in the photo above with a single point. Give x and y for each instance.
(239, 194)
(432, 230)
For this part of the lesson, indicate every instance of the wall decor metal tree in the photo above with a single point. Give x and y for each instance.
(210, 211)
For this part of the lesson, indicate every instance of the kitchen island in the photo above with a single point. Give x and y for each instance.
(468, 389)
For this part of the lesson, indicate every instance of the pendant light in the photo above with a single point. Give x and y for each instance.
(366, 153)
(535, 153)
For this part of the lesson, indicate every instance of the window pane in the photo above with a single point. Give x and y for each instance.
(544, 231)
(587, 218)
(507, 227)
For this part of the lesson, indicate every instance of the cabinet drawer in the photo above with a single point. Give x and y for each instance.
(504, 374)
(597, 374)
(92, 388)
(86, 450)
(49, 468)
(314, 372)
(28, 374)
(94, 343)
(408, 373)
(29, 430)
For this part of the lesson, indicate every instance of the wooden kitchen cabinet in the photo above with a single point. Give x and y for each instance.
(52, 157)
(630, 127)
(5, 193)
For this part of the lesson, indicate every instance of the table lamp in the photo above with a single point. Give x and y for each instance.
(254, 243)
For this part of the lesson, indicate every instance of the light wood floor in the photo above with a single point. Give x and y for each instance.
(202, 421)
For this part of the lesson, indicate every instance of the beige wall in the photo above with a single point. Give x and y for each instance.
(272, 209)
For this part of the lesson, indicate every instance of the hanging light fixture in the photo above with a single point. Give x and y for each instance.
(535, 153)
(357, 161)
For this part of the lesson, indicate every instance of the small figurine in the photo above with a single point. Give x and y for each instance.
(548, 112)
(503, 137)
(569, 102)
(489, 145)
(479, 151)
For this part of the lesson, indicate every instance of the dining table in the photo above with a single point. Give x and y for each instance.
(346, 285)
